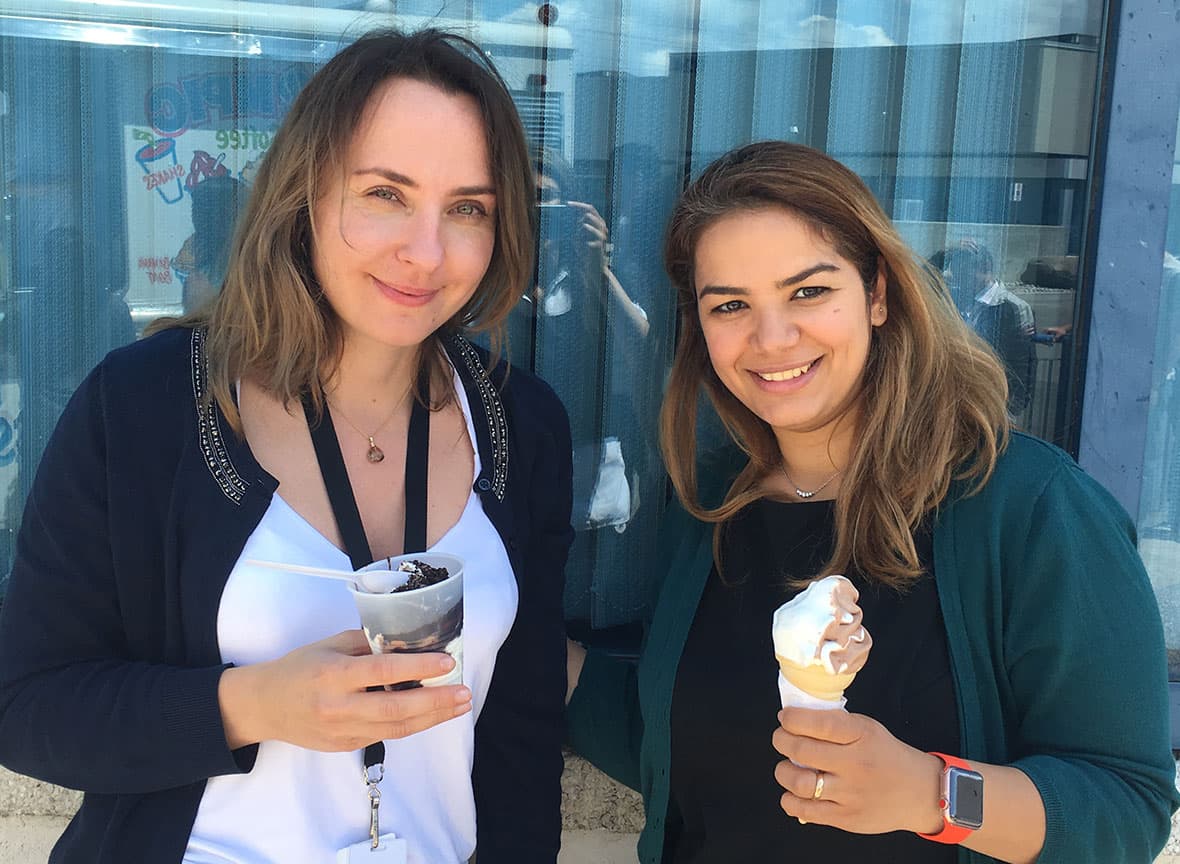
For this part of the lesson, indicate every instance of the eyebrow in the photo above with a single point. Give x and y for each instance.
(730, 291)
(403, 180)
(822, 267)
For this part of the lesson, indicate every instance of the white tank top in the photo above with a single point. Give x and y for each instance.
(300, 806)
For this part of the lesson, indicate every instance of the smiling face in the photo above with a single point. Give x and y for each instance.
(786, 320)
(405, 231)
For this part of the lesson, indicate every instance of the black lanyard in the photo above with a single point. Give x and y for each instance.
(343, 501)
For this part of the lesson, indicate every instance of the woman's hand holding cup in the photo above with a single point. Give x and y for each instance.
(318, 696)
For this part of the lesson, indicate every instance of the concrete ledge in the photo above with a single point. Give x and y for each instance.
(592, 801)
(589, 799)
(28, 839)
(600, 818)
(603, 847)
(24, 796)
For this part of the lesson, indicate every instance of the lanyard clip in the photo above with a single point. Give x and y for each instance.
(371, 781)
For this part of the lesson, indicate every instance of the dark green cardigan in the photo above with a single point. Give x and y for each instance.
(1055, 642)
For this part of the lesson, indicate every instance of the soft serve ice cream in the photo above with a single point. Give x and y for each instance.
(820, 643)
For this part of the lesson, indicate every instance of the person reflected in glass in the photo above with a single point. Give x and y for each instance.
(585, 313)
(575, 247)
(869, 437)
(1002, 319)
(61, 280)
(215, 710)
(1164, 524)
(201, 263)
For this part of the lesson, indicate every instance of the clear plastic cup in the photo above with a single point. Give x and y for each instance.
(418, 620)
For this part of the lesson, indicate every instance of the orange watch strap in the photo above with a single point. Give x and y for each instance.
(950, 833)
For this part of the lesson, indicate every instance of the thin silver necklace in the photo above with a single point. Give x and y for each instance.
(804, 493)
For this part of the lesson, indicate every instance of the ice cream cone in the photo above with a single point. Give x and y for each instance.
(820, 644)
(814, 680)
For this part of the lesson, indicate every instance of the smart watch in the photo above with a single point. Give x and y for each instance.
(961, 802)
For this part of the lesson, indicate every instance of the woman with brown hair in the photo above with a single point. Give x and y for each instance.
(1017, 657)
(327, 410)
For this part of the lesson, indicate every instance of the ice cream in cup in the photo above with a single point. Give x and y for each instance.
(423, 612)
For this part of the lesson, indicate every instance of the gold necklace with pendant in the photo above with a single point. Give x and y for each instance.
(375, 454)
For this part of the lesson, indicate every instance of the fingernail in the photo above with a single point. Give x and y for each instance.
(462, 695)
(446, 662)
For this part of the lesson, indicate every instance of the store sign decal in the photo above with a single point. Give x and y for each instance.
(210, 100)
(161, 173)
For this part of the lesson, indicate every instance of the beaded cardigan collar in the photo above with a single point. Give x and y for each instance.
(482, 395)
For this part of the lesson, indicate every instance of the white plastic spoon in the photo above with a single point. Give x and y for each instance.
(370, 581)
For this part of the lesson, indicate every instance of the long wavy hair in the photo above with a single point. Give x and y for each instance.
(931, 406)
(272, 320)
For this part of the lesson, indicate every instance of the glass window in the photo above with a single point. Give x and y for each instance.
(971, 123)
(969, 119)
(1159, 507)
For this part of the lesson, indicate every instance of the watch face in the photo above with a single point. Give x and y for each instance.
(965, 798)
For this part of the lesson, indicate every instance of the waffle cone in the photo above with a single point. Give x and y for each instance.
(815, 680)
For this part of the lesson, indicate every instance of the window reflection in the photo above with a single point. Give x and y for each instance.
(970, 120)
(1159, 508)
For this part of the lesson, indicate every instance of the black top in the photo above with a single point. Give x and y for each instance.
(724, 804)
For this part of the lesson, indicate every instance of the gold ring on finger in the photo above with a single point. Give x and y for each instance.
(819, 785)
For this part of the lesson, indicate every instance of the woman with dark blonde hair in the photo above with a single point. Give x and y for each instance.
(327, 410)
(1014, 700)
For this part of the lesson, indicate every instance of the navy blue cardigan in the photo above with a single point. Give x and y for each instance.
(109, 663)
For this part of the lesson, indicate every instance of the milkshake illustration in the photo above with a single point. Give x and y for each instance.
(163, 172)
